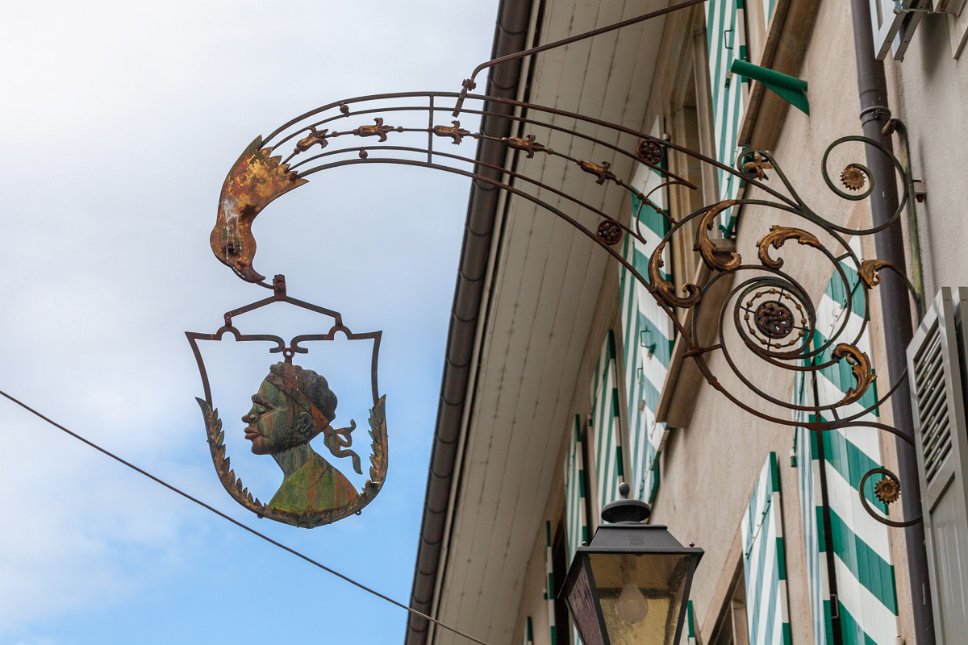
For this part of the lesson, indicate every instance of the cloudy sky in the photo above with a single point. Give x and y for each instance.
(120, 121)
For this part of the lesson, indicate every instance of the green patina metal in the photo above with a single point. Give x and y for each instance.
(294, 405)
(789, 88)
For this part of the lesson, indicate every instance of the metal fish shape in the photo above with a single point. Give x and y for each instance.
(255, 179)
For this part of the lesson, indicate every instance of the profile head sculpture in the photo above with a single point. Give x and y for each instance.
(292, 406)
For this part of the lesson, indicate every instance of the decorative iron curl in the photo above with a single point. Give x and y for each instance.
(768, 278)
(888, 476)
(902, 172)
(791, 342)
(759, 297)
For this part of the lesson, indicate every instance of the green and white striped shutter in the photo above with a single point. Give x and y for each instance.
(768, 7)
(726, 40)
(691, 638)
(648, 338)
(528, 632)
(550, 585)
(866, 600)
(609, 469)
(764, 561)
(576, 521)
(811, 511)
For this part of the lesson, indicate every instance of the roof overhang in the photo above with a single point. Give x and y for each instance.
(510, 35)
(528, 289)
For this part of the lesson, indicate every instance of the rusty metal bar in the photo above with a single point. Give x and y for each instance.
(471, 83)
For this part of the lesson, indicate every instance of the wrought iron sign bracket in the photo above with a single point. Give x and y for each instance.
(767, 314)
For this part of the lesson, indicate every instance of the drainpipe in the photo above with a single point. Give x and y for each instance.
(895, 303)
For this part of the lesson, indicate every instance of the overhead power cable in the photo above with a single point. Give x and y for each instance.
(234, 521)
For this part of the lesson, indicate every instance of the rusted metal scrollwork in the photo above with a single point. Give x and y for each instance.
(706, 247)
(776, 237)
(610, 232)
(650, 153)
(887, 490)
(774, 317)
(860, 365)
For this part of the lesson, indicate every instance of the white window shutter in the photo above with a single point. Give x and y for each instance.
(838, 532)
(936, 368)
(647, 335)
(576, 520)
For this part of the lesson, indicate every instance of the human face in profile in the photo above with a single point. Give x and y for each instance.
(270, 421)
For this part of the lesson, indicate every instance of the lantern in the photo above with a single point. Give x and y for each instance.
(631, 584)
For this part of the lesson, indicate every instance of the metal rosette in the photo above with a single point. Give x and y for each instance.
(774, 317)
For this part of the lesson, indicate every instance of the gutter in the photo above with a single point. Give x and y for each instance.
(510, 35)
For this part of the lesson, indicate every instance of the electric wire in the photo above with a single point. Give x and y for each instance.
(234, 521)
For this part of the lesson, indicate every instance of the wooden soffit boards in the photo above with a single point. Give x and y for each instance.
(545, 283)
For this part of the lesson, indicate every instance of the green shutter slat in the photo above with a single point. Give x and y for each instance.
(764, 560)
(867, 600)
(875, 574)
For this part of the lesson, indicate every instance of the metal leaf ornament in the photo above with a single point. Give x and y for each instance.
(255, 180)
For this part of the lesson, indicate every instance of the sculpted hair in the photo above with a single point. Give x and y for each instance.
(313, 386)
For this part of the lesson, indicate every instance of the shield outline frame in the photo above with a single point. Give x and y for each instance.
(213, 424)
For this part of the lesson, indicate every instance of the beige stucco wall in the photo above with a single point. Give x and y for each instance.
(933, 94)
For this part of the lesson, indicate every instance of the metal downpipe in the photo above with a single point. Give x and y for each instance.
(895, 303)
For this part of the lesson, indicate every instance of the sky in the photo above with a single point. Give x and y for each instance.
(120, 122)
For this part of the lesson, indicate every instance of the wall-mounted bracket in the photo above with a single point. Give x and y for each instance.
(790, 88)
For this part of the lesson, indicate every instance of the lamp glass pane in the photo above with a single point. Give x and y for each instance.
(584, 610)
(641, 595)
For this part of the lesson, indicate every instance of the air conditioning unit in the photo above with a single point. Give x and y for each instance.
(937, 372)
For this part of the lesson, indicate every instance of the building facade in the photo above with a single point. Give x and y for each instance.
(565, 375)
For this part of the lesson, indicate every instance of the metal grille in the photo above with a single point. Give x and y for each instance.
(930, 388)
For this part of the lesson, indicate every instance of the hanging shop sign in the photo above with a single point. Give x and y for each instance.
(293, 404)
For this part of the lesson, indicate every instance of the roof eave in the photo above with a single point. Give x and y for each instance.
(511, 34)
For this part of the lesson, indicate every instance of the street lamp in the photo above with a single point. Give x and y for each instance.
(630, 585)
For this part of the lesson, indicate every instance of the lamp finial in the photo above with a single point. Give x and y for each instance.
(625, 509)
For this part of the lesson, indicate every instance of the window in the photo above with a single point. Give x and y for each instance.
(559, 571)
(731, 626)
